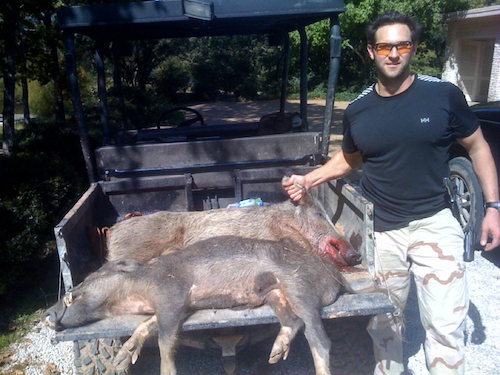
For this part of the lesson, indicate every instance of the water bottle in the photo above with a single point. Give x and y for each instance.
(247, 203)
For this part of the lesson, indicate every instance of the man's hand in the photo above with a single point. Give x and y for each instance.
(491, 225)
(295, 187)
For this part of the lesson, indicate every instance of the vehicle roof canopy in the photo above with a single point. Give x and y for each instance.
(186, 18)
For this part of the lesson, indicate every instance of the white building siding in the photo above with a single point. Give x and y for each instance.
(494, 88)
(473, 53)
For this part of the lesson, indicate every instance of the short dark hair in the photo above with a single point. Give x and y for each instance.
(391, 17)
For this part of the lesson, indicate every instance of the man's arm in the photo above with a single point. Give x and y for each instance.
(484, 167)
(338, 166)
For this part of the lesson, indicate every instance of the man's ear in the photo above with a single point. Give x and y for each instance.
(371, 52)
(414, 49)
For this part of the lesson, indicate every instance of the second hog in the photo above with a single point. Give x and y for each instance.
(306, 223)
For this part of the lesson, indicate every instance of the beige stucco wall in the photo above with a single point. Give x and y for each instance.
(473, 53)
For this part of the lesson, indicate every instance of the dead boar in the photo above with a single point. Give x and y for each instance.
(233, 272)
(306, 223)
(144, 237)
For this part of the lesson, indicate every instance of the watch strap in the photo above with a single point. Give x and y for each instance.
(492, 205)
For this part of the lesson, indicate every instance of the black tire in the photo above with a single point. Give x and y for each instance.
(352, 347)
(95, 357)
(470, 197)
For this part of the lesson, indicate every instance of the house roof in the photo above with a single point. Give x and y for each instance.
(490, 11)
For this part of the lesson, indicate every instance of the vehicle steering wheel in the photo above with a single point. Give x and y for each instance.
(187, 122)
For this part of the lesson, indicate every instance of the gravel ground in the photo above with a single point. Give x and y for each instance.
(35, 355)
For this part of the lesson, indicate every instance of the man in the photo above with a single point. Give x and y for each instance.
(400, 129)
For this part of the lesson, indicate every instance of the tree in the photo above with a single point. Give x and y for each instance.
(53, 43)
(30, 45)
(234, 65)
(10, 15)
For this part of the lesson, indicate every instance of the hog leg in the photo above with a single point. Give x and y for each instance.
(316, 336)
(319, 344)
(130, 351)
(290, 325)
(169, 321)
(166, 344)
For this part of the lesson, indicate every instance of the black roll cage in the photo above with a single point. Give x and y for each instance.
(179, 18)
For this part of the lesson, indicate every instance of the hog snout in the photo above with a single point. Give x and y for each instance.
(52, 319)
(352, 257)
(341, 251)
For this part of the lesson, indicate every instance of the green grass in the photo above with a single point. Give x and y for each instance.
(19, 327)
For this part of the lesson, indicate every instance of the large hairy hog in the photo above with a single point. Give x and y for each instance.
(233, 272)
(144, 237)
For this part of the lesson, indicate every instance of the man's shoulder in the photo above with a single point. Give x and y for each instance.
(365, 94)
(436, 88)
(429, 79)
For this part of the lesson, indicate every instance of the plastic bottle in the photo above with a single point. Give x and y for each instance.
(247, 203)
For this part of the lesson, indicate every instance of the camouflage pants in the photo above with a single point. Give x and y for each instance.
(432, 250)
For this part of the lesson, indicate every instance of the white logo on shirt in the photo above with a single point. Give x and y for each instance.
(425, 119)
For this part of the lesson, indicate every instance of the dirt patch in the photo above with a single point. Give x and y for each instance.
(233, 112)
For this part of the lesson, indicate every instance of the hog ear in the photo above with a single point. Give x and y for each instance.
(126, 266)
(307, 199)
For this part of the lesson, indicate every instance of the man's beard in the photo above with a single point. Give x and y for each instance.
(402, 71)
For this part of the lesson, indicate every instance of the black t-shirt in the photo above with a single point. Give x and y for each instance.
(404, 141)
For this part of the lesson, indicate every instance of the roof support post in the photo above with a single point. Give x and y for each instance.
(335, 49)
(303, 77)
(69, 57)
(286, 67)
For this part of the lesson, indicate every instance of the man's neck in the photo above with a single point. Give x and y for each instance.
(391, 87)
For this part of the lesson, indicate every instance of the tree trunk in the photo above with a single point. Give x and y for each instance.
(24, 84)
(10, 10)
(26, 106)
(59, 113)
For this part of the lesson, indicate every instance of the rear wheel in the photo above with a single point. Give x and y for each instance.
(352, 347)
(470, 197)
(95, 357)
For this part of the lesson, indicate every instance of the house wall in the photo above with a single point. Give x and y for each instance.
(473, 54)
(494, 91)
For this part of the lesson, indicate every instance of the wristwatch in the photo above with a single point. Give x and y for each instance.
(492, 205)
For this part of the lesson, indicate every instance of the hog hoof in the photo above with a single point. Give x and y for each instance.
(280, 350)
(124, 358)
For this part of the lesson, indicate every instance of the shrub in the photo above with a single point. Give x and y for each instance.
(41, 181)
(41, 99)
